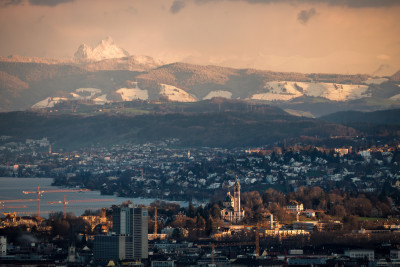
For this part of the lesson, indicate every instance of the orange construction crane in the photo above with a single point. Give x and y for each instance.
(40, 192)
(3, 206)
(16, 200)
(24, 212)
(10, 213)
(65, 202)
(13, 207)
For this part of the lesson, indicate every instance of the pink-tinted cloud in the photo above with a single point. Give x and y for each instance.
(236, 33)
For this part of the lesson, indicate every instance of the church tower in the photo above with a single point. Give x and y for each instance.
(232, 211)
(236, 197)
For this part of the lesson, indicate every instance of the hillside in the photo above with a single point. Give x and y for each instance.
(396, 77)
(384, 123)
(217, 129)
(390, 117)
(31, 83)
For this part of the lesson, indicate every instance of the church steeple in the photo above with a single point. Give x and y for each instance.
(236, 196)
(232, 211)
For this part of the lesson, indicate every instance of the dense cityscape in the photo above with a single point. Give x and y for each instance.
(291, 205)
(200, 133)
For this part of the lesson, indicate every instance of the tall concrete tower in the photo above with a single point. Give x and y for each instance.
(132, 222)
(129, 239)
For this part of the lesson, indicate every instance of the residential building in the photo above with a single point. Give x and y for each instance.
(294, 206)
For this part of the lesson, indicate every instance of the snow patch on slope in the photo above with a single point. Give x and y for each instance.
(82, 93)
(101, 100)
(272, 96)
(79, 94)
(49, 102)
(133, 93)
(175, 94)
(284, 90)
(219, 93)
(395, 97)
(376, 80)
(343, 92)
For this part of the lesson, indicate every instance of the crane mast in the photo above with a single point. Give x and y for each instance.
(65, 202)
(39, 193)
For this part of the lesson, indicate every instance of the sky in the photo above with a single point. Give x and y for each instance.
(329, 36)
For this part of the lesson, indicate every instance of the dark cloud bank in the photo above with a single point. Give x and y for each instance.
(49, 3)
(177, 6)
(305, 15)
(346, 3)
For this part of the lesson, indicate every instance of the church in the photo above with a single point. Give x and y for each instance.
(232, 211)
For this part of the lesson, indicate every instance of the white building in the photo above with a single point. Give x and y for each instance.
(395, 254)
(360, 254)
(232, 211)
(295, 206)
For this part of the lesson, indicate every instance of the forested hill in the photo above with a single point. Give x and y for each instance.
(217, 129)
(391, 117)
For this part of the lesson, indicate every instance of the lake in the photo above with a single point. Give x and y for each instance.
(11, 189)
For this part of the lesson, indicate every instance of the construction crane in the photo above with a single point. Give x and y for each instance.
(40, 192)
(23, 212)
(13, 207)
(16, 200)
(65, 202)
(10, 213)
(3, 206)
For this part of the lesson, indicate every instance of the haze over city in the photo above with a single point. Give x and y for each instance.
(304, 36)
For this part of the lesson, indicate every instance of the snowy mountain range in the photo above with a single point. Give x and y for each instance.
(108, 73)
(106, 49)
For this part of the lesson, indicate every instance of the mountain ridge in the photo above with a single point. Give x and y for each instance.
(105, 49)
(24, 82)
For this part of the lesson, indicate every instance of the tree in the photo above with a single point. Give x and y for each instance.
(176, 234)
(209, 226)
(191, 210)
(351, 222)
(216, 211)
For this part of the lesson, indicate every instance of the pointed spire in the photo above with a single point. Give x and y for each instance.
(237, 182)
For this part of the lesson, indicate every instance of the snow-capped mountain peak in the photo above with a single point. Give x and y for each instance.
(106, 49)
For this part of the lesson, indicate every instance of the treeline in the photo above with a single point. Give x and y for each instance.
(224, 129)
(334, 204)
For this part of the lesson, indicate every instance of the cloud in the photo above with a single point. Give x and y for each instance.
(305, 15)
(10, 2)
(50, 3)
(177, 6)
(40, 19)
(383, 57)
(345, 3)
